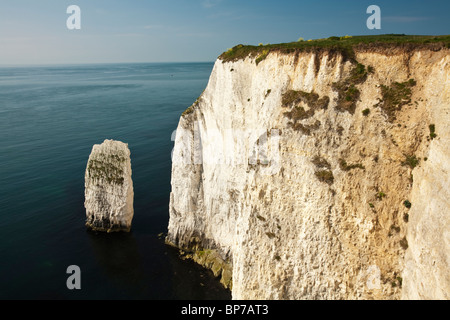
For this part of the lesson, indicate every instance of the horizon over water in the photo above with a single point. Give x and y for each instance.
(50, 117)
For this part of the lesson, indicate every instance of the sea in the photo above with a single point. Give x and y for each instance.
(50, 117)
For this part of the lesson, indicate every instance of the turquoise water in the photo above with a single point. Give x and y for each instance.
(49, 119)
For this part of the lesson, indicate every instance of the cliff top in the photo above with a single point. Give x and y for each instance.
(344, 45)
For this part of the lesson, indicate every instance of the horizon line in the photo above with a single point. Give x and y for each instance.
(15, 65)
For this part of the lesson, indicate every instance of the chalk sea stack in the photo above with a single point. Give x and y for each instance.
(109, 188)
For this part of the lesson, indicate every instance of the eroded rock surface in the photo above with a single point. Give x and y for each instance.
(109, 188)
(348, 197)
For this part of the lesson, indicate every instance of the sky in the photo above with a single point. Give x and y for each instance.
(35, 31)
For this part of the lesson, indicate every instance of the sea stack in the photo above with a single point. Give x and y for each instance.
(109, 188)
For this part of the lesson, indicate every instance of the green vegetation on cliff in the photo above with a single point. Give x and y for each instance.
(107, 167)
(297, 113)
(343, 45)
(348, 94)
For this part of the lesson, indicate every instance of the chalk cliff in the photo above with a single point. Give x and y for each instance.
(312, 175)
(109, 188)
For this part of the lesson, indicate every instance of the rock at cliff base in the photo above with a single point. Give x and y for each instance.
(109, 188)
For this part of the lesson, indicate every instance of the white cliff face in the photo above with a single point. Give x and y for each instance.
(304, 197)
(109, 188)
(427, 261)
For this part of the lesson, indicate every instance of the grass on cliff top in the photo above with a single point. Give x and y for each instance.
(343, 45)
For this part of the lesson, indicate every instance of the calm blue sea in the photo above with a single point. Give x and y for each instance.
(50, 117)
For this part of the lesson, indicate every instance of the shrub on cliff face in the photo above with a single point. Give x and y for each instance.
(395, 97)
(311, 99)
(347, 167)
(407, 204)
(432, 128)
(348, 94)
(404, 243)
(262, 56)
(306, 129)
(325, 176)
(358, 74)
(192, 108)
(411, 161)
(188, 111)
(293, 99)
(108, 169)
(320, 162)
(380, 195)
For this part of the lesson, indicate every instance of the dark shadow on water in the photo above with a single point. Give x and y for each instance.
(120, 264)
(190, 281)
(137, 266)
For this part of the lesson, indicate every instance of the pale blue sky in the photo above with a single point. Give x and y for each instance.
(35, 32)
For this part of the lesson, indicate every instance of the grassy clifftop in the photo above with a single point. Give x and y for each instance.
(344, 45)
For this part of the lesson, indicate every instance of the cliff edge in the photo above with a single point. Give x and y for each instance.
(319, 173)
